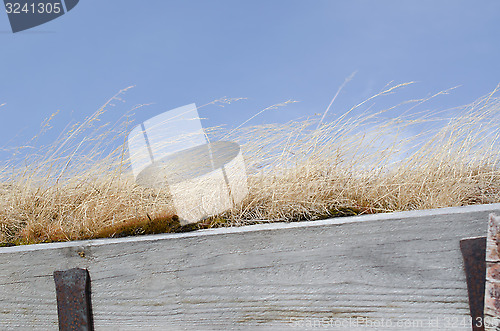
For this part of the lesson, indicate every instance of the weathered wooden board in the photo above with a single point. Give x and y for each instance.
(492, 286)
(388, 268)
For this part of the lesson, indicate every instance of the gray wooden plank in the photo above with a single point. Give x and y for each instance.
(400, 267)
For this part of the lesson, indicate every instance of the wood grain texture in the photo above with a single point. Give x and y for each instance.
(400, 267)
(492, 286)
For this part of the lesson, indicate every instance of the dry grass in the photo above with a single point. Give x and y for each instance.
(81, 188)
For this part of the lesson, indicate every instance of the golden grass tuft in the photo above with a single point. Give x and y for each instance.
(82, 188)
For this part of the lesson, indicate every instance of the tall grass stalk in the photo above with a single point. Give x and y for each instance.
(82, 186)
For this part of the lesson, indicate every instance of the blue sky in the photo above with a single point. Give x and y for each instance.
(179, 52)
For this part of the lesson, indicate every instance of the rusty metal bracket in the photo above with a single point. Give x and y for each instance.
(74, 307)
(474, 254)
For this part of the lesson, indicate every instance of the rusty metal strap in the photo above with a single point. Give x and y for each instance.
(73, 300)
(474, 254)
